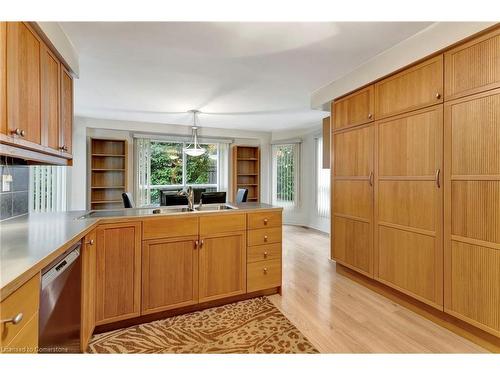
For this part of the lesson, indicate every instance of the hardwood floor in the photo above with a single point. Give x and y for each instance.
(340, 316)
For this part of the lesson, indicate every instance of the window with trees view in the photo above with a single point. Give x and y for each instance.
(164, 166)
(285, 174)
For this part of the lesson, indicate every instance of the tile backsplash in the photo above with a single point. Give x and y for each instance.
(14, 202)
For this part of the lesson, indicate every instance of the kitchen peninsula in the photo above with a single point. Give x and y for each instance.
(137, 265)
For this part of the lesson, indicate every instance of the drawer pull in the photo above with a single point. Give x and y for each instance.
(265, 221)
(14, 320)
(19, 132)
(370, 116)
(265, 254)
(438, 95)
(265, 238)
(91, 242)
(265, 271)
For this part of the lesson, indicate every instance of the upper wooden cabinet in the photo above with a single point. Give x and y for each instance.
(66, 111)
(3, 78)
(23, 82)
(354, 109)
(413, 88)
(326, 142)
(473, 67)
(51, 89)
(36, 98)
(118, 283)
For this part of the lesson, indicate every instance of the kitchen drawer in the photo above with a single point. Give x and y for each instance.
(264, 236)
(24, 301)
(222, 223)
(264, 252)
(167, 227)
(259, 220)
(26, 340)
(263, 275)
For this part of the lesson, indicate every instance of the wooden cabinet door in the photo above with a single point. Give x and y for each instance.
(408, 204)
(417, 87)
(354, 109)
(89, 258)
(222, 262)
(23, 81)
(118, 282)
(66, 132)
(473, 67)
(51, 73)
(326, 142)
(3, 77)
(169, 273)
(352, 199)
(472, 210)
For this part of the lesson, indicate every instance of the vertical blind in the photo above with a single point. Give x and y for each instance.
(286, 175)
(47, 189)
(322, 183)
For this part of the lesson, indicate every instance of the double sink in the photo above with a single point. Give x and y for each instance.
(155, 211)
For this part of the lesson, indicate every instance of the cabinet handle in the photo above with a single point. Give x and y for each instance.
(370, 178)
(18, 132)
(14, 320)
(63, 148)
(265, 221)
(265, 271)
(265, 238)
(91, 242)
(438, 172)
(370, 116)
(201, 244)
(265, 254)
(196, 244)
(438, 95)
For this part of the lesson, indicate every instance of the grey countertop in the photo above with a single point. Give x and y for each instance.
(30, 242)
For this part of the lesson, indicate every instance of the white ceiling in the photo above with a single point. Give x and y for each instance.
(252, 76)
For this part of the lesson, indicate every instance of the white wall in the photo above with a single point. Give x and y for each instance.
(305, 213)
(89, 127)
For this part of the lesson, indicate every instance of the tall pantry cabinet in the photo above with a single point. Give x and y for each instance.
(416, 186)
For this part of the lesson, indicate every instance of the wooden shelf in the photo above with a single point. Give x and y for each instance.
(245, 171)
(108, 172)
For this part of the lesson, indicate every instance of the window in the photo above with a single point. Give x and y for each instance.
(285, 175)
(162, 165)
(47, 189)
(322, 183)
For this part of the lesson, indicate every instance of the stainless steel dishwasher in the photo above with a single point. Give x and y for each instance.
(60, 299)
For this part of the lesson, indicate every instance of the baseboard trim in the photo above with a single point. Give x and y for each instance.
(461, 328)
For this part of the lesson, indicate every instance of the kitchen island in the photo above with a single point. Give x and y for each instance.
(139, 265)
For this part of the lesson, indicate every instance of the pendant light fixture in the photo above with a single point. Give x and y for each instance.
(194, 148)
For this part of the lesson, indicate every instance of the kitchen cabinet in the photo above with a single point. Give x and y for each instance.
(416, 87)
(409, 204)
(118, 281)
(222, 265)
(352, 198)
(36, 98)
(23, 83)
(326, 142)
(472, 210)
(50, 89)
(3, 78)
(19, 316)
(169, 273)
(89, 269)
(66, 132)
(473, 67)
(354, 109)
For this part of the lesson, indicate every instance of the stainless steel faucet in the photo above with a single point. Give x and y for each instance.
(189, 194)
